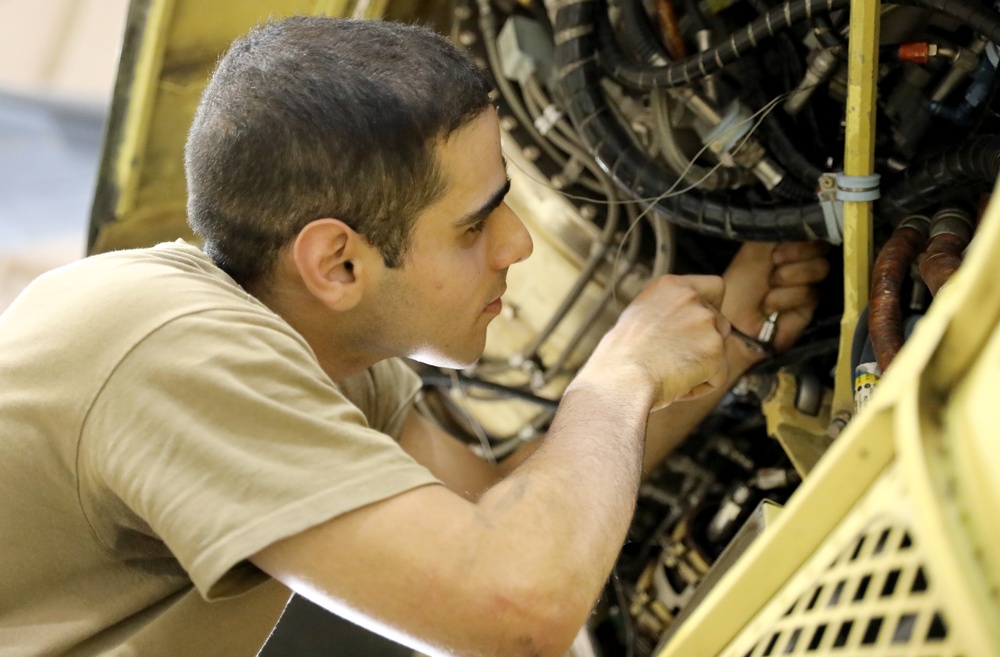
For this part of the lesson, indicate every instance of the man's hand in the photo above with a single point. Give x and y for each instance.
(764, 278)
(672, 334)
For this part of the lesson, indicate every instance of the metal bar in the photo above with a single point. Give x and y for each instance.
(142, 91)
(859, 160)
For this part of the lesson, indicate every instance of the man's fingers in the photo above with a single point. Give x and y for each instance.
(719, 379)
(710, 288)
(722, 325)
(792, 251)
(803, 272)
(787, 299)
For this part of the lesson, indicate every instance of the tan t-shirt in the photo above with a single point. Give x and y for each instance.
(158, 425)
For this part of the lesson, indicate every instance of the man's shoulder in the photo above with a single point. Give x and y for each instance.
(169, 262)
(169, 279)
(110, 302)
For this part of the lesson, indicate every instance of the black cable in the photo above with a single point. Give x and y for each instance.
(446, 381)
(972, 15)
(623, 607)
(826, 33)
(796, 355)
(774, 134)
(635, 22)
(860, 340)
(773, 131)
(692, 10)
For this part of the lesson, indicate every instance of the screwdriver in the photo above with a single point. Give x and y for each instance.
(762, 343)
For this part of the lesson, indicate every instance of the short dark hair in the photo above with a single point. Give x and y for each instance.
(313, 117)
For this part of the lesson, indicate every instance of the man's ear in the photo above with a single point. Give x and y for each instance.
(331, 259)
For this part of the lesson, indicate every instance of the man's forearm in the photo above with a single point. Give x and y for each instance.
(668, 427)
(570, 503)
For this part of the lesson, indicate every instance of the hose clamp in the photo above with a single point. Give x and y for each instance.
(858, 188)
(918, 222)
(952, 221)
(833, 209)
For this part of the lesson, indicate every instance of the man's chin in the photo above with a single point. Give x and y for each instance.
(453, 361)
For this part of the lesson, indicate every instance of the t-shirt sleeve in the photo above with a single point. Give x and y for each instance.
(224, 440)
(385, 393)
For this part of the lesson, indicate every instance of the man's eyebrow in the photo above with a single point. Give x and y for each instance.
(476, 216)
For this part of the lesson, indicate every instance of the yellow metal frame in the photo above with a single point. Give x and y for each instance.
(140, 106)
(859, 160)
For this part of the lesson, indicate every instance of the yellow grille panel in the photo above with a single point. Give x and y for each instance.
(869, 591)
(874, 598)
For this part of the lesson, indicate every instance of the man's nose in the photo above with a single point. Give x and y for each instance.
(512, 240)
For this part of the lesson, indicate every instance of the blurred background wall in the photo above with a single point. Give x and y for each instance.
(58, 60)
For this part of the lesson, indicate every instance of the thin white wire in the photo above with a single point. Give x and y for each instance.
(759, 115)
(477, 428)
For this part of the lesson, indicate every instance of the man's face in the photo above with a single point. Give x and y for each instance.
(435, 308)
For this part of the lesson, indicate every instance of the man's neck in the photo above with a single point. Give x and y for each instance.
(337, 347)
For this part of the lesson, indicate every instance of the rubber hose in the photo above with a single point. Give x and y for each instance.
(970, 14)
(673, 41)
(951, 231)
(943, 176)
(579, 86)
(640, 33)
(892, 266)
(941, 259)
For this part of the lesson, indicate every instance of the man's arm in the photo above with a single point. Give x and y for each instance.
(517, 571)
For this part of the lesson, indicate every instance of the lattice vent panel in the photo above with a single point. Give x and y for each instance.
(875, 598)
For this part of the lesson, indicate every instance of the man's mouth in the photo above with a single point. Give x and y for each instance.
(494, 307)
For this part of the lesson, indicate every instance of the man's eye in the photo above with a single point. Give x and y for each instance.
(477, 227)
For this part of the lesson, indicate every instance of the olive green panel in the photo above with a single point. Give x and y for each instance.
(169, 50)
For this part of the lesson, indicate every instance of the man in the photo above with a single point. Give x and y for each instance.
(186, 435)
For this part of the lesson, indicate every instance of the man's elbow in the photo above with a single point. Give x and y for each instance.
(533, 620)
